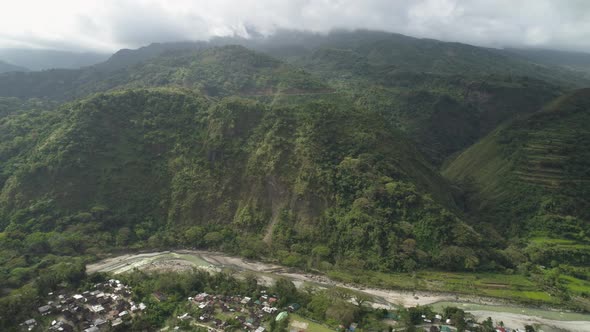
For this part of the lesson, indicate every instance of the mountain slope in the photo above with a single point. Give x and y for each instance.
(378, 52)
(7, 67)
(216, 71)
(444, 115)
(577, 61)
(531, 176)
(160, 163)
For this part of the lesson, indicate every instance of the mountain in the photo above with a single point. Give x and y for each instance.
(236, 174)
(126, 57)
(217, 71)
(445, 96)
(35, 59)
(380, 53)
(530, 178)
(445, 115)
(577, 61)
(7, 67)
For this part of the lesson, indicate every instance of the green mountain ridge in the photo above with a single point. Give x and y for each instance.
(217, 71)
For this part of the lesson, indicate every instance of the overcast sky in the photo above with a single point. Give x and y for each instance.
(108, 25)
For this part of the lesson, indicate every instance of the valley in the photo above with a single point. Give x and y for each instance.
(419, 173)
(267, 274)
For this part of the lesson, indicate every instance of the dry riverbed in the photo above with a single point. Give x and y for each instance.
(384, 298)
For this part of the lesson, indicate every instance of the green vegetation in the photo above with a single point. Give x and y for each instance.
(156, 161)
(531, 176)
(219, 71)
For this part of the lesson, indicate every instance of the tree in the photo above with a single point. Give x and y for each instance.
(457, 316)
(358, 298)
(342, 312)
(123, 236)
(250, 283)
(286, 291)
(488, 325)
(283, 325)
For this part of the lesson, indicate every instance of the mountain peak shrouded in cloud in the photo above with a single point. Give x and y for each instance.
(111, 25)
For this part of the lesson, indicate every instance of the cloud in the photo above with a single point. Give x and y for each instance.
(112, 24)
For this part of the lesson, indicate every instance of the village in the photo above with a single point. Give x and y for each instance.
(108, 305)
(218, 312)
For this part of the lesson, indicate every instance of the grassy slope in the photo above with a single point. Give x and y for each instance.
(531, 177)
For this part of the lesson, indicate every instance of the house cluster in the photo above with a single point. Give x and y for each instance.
(108, 305)
(217, 310)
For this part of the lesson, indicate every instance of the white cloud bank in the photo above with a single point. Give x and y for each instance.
(109, 25)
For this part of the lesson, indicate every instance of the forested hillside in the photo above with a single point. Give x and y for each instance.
(214, 71)
(167, 160)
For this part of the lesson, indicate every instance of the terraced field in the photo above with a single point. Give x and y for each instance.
(549, 149)
(532, 175)
(546, 155)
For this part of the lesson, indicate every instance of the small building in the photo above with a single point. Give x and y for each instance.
(30, 324)
(184, 316)
(269, 310)
(160, 297)
(44, 310)
(201, 297)
(97, 308)
(116, 322)
(99, 322)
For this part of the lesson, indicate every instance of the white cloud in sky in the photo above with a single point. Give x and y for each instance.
(109, 25)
